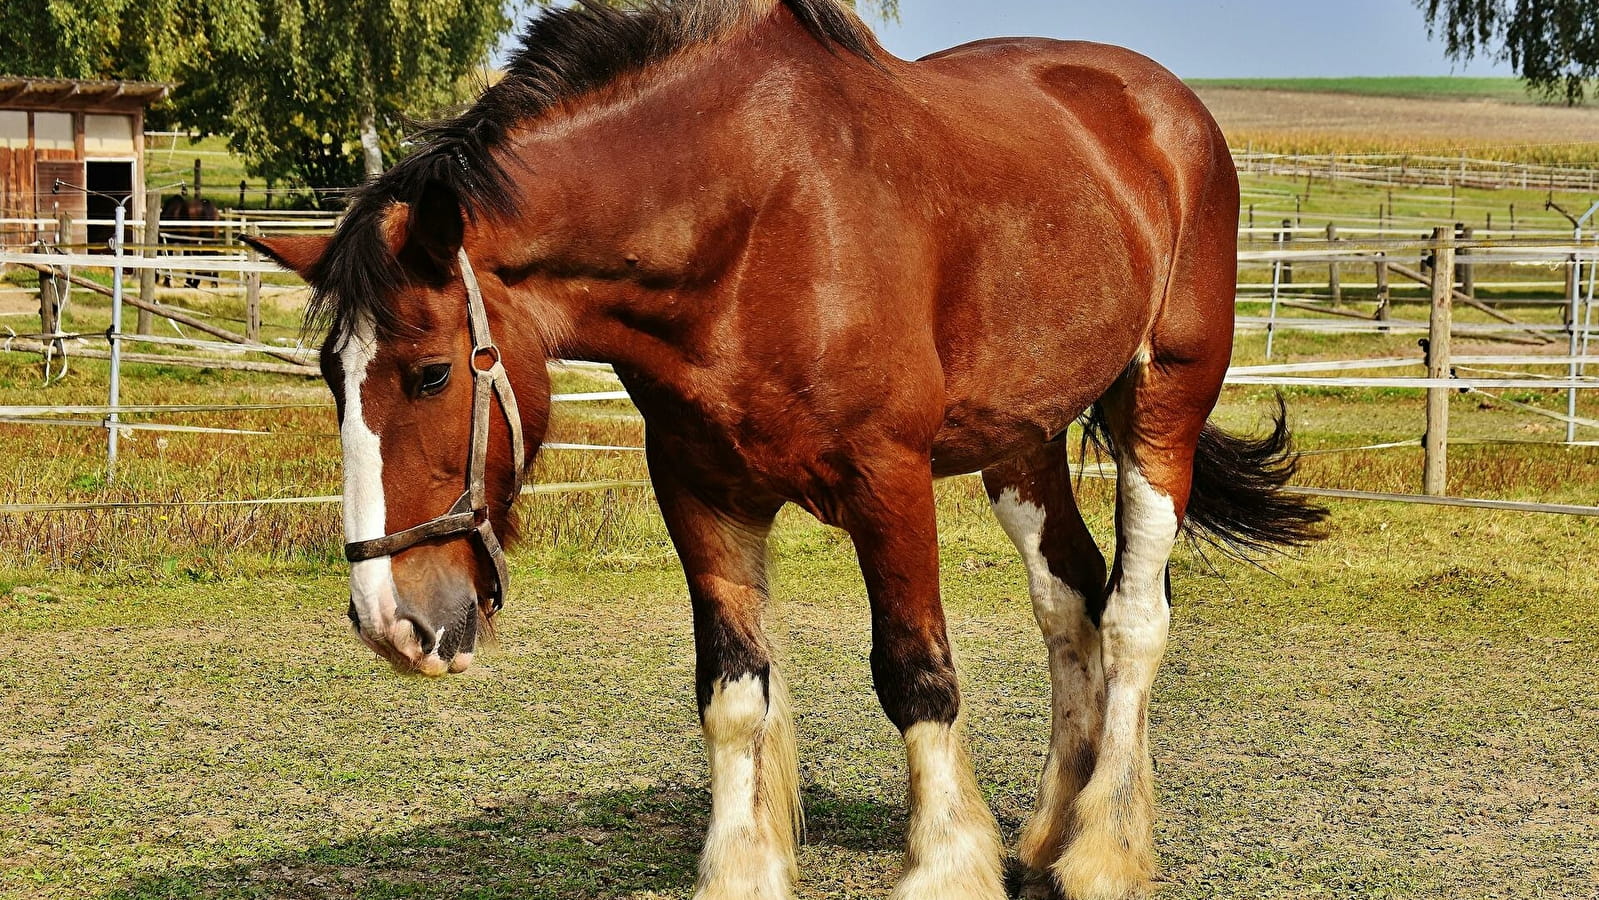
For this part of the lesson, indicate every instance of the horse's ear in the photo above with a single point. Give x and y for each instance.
(431, 232)
(302, 252)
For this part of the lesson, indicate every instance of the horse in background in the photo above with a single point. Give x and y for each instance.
(183, 219)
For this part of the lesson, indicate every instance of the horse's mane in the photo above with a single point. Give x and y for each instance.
(566, 53)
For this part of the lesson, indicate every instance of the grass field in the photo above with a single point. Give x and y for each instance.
(1404, 711)
(1435, 87)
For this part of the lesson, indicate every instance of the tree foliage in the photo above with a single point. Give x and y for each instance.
(292, 100)
(289, 82)
(1552, 44)
(149, 39)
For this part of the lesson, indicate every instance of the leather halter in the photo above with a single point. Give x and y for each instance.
(470, 513)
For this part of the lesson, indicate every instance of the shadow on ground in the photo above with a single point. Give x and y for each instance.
(573, 847)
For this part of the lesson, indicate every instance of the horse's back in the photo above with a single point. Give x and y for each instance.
(1093, 100)
(1078, 168)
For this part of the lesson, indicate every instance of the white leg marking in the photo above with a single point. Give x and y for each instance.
(1113, 854)
(952, 843)
(749, 847)
(365, 514)
(1076, 686)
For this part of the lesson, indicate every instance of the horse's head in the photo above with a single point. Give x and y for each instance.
(422, 358)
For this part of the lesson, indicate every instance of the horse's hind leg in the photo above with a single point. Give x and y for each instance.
(749, 849)
(1032, 498)
(1154, 416)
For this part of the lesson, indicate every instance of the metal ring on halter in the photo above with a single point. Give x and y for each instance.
(470, 513)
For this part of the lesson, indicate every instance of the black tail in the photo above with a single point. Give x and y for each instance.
(1237, 502)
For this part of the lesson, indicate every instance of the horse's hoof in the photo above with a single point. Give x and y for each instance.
(1024, 883)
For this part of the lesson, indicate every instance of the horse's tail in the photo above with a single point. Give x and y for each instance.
(1237, 502)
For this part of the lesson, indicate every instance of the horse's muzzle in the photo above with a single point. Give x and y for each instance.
(414, 643)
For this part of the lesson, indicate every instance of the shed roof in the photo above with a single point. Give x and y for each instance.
(23, 92)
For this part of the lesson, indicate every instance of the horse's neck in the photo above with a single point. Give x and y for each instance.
(652, 206)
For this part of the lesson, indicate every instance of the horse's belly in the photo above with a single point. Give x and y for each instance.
(976, 434)
(1009, 394)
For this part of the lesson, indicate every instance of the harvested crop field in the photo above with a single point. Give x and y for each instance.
(1308, 122)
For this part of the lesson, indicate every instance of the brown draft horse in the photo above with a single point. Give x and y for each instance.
(178, 237)
(827, 277)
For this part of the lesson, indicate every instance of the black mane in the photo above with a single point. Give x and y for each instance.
(566, 53)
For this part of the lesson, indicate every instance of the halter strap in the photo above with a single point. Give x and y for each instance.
(470, 513)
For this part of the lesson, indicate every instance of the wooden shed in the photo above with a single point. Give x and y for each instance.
(85, 133)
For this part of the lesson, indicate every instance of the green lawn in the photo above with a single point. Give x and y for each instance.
(1403, 711)
(1504, 90)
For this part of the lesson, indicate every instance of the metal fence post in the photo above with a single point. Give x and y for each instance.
(114, 336)
(1276, 288)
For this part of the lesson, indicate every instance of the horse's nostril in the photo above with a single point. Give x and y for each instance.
(355, 617)
(427, 637)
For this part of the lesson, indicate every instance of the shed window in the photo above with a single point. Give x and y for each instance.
(108, 135)
(53, 131)
(13, 129)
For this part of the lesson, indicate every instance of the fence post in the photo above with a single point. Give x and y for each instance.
(1287, 238)
(252, 295)
(49, 302)
(1383, 308)
(1468, 278)
(151, 239)
(1434, 477)
(1332, 266)
(114, 336)
(1276, 288)
(63, 286)
(1573, 288)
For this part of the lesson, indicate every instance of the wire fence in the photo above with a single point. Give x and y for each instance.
(1268, 269)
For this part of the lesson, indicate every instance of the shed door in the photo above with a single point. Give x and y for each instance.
(71, 201)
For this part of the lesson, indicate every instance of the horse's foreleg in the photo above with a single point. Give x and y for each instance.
(1032, 498)
(749, 849)
(952, 843)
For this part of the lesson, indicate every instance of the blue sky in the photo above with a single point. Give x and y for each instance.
(1198, 39)
(1203, 38)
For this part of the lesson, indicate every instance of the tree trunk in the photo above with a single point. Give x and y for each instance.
(371, 153)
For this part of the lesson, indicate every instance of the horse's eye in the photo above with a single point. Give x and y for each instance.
(434, 378)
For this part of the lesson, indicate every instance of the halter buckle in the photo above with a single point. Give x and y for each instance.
(493, 352)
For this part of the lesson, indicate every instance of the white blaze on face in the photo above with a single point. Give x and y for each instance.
(365, 516)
